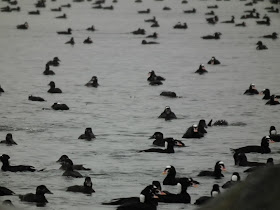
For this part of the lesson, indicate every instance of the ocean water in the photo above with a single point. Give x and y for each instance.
(123, 110)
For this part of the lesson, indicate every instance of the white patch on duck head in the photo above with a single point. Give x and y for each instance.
(142, 198)
(273, 132)
(214, 193)
(234, 178)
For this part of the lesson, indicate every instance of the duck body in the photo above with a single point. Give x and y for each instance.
(39, 197)
(217, 173)
(19, 168)
(59, 106)
(86, 188)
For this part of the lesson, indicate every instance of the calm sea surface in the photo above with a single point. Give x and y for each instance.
(123, 110)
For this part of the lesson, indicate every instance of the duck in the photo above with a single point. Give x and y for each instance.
(166, 8)
(243, 24)
(92, 28)
(139, 31)
(153, 77)
(218, 123)
(88, 41)
(86, 188)
(182, 196)
(78, 167)
(212, 7)
(192, 132)
(274, 35)
(217, 173)
(190, 11)
(266, 93)
(263, 149)
(155, 25)
(54, 62)
(20, 168)
(66, 5)
(23, 26)
(251, 15)
(37, 12)
(38, 197)
(6, 9)
(88, 135)
(252, 90)
(229, 21)
(40, 4)
(210, 13)
(35, 98)
(212, 20)
(235, 178)
(9, 140)
(5, 191)
(64, 16)
(93, 82)
(204, 199)
(144, 11)
(53, 89)
(71, 41)
(154, 35)
(214, 61)
(109, 7)
(48, 71)
(59, 106)
(99, 6)
(201, 70)
(273, 134)
(251, 11)
(261, 46)
(276, 10)
(169, 94)
(146, 200)
(180, 26)
(273, 101)
(144, 42)
(201, 126)
(160, 141)
(215, 36)
(1, 90)
(56, 9)
(68, 32)
(167, 114)
(69, 171)
(240, 159)
(269, 162)
(152, 20)
(15, 9)
(169, 148)
(264, 22)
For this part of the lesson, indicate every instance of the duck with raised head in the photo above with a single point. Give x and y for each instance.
(56, 9)
(9, 140)
(261, 46)
(235, 178)
(180, 26)
(160, 141)
(5, 191)
(216, 35)
(273, 134)
(144, 11)
(15, 9)
(38, 197)
(204, 199)
(69, 169)
(201, 126)
(92, 28)
(213, 61)
(68, 32)
(276, 10)
(263, 149)
(152, 20)
(240, 159)
(153, 77)
(243, 24)
(266, 93)
(212, 6)
(169, 148)
(88, 135)
(274, 35)
(269, 162)
(192, 132)
(155, 25)
(71, 41)
(264, 22)
(64, 16)
(23, 26)
(252, 90)
(59, 106)
(86, 188)
(201, 69)
(154, 35)
(88, 41)
(167, 114)
(139, 31)
(217, 173)
(98, 6)
(35, 98)
(212, 20)
(37, 12)
(79, 167)
(273, 101)
(229, 21)
(54, 62)
(190, 11)
(53, 89)
(19, 168)
(48, 71)
(6, 9)
(210, 13)
(93, 82)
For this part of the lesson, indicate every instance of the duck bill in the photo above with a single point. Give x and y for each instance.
(162, 193)
(224, 169)
(165, 172)
(155, 196)
(271, 141)
(195, 185)
(48, 191)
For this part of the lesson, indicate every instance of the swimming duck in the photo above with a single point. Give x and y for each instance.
(88, 135)
(166, 8)
(266, 93)
(63, 162)
(190, 11)
(61, 16)
(40, 4)
(139, 31)
(53, 89)
(6, 165)
(70, 170)
(262, 22)
(180, 26)
(276, 10)
(169, 147)
(88, 41)
(9, 140)
(217, 173)
(167, 114)
(54, 62)
(59, 106)
(214, 61)
(273, 134)
(6, 9)
(48, 71)
(192, 132)
(215, 36)
(92, 28)
(243, 24)
(218, 123)
(160, 141)
(56, 9)
(39, 197)
(1, 90)
(66, 5)
(201, 126)
(204, 199)
(37, 12)
(86, 188)
(68, 32)
(99, 6)
(153, 77)
(153, 20)
(5, 191)
(235, 178)
(252, 90)
(71, 41)
(201, 69)
(109, 7)
(93, 82)
(15, 9)
(23, 26)
(35, 98)
(144, 42)
(169, 94)
(210, 13)
(240, 159)
(274, 35)
(272, 101)
(144, 11)
(154, 36)
(261, 46)
(263, 149)
(212, 7)
(269, 162)
(155, 25)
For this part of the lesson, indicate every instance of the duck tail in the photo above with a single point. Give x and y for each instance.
(210, 123)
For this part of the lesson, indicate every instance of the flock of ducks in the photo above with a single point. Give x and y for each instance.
(151, 195)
